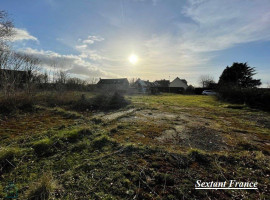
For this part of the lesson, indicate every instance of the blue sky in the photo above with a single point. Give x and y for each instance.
(94, 38)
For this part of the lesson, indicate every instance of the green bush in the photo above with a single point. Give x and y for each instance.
(253, 97)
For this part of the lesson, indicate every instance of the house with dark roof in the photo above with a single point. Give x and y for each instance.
(120, 84)
(163, 85)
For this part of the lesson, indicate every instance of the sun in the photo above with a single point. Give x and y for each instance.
(133, 59)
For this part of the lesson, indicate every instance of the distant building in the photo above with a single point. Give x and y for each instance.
(146, 86)
(163, 85)
(120, 84)
(178, 85)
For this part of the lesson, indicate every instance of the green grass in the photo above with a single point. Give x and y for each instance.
(98, 159)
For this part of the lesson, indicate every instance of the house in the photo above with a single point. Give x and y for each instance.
(178, 85)
(141, 85)
(146, 86)
(120, 84)
(163, 85)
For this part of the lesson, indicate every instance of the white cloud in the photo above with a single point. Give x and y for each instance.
(86, 51)
(22, 34)
(211, 26)
(92, 39)
(220, 25)
(72, 64)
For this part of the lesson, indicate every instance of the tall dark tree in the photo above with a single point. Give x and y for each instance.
(240, 75)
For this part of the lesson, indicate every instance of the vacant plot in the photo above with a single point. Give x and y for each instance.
(155, 148)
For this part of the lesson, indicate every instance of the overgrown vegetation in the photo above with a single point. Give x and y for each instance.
(68, 147)
(237, 85)
(103, 102)
(126, 158)
(253, 97)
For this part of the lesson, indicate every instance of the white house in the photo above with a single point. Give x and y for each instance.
(178, 83)
(146, 86)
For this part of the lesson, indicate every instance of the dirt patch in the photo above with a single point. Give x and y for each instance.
(149, 115)
(197, 137)
(116, 115)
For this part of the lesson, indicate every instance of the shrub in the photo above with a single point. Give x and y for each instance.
(117, 101)
(253, 97)
(190, 90)
(230, 94)
(54, 99)
(17, 101)
(101, 102)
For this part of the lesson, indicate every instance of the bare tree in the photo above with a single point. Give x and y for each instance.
(206, 80)
(6, 28)
(17, 71)
(132, 81)
(62, 77)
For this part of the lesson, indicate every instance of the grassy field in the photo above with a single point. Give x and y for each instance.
(155, 148)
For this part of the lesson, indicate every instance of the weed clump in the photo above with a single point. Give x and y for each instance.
(102, 102)
(7, 155)
(85, 131)
(166, 179)
(43, 189)
(72, 135)
(100, 142)
(43, 147)
(247, 146)
(199, 156)
(17, 101)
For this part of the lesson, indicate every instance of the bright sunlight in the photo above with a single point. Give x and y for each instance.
(133, 59)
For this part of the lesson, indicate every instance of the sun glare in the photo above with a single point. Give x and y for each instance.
(133, 59)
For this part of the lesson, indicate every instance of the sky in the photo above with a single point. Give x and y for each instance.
(170, 38)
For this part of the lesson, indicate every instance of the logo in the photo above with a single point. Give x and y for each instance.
(226, 185)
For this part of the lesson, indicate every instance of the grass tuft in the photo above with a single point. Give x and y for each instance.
(43, 189)
(100, 142)
(43, 147)
(199, 156)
